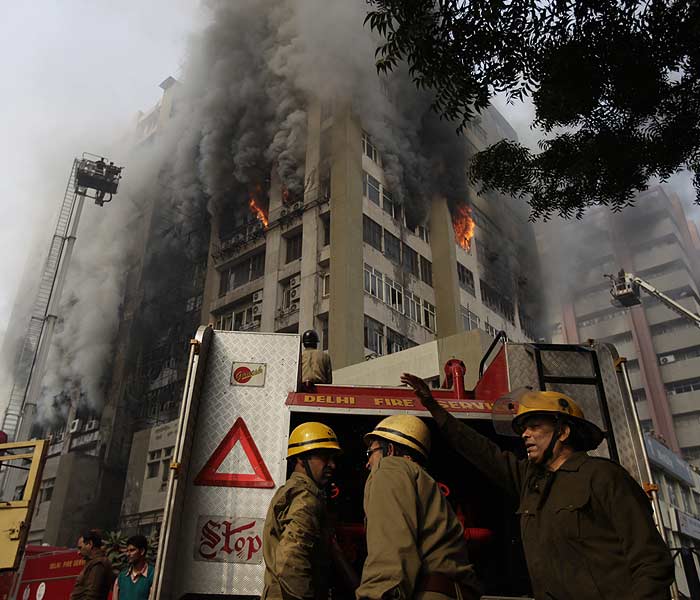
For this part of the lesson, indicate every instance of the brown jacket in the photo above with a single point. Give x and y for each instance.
(95, 580)
(412, 532)
(587, 528)
(316, 366)
(295, 542)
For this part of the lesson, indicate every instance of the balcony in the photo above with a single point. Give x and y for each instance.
(660, 313)
(595, 301)
(682, 369)
(659, 255)
(240, 239)
(684, 403)
(605, 328)
(678, 338)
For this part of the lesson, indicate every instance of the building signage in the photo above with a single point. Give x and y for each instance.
(229, 539)
(388, 402)
(667, 460)
(248, 374)
(688, 525)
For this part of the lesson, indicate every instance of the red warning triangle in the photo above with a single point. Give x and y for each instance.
(259, 479)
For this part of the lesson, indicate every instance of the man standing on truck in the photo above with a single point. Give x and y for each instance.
(296, 541)
(587, 527)
(415, 544)
(315, 364)
(95, 580)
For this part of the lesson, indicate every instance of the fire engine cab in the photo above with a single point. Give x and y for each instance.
(242, 399)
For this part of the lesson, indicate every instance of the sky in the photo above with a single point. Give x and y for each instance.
(75, 73)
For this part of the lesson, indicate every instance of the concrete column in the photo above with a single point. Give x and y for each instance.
(273, 241)
(346, 314)
(445, 280)
(212, 279)
(310, 222)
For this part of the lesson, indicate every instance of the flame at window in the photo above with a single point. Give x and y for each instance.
(464, 226)
(257, 210)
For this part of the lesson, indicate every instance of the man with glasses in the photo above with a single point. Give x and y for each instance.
(415, 544)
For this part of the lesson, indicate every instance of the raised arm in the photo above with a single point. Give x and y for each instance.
(503, 468)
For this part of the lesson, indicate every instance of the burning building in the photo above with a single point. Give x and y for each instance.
(296, 189)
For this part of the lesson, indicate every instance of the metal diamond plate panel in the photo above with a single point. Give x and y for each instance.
(522, 371)
(264, 412)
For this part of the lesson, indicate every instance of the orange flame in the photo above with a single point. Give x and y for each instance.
(257, 211)
(464, 226)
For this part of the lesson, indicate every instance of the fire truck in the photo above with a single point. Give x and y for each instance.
(242, 398)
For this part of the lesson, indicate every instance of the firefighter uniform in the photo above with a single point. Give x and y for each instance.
(587, 528)
(316, 366)
(295, 542)
(415, 544)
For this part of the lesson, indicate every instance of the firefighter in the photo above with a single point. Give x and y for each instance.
(296, 541)
(586, 525)
(415, 544)
(315, 363)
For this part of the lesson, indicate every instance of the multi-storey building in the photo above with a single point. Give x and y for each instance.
(342, 259)
(655, 241)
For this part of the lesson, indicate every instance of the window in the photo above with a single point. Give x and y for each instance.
(168, 451)
(392, 247)
(153, 468)
(497, 303)
(326, 230)
(46, 490)
(324, 333)
(290, 294)
(490, 329)
(683, 387)
(424, 233)
(426, 271)
(325, 285)
(193, 303)
(410, 260)
(166, 471)
(469, 320)
(371, 232)
(369, 149)
(466, 279)
(373, 282)
(371, 188)
(390, 207)
(393, 294)
(413, 307)
(154, 455)
(395, 342)
(294, 247)
(428, 315)
(374, 335)
(241, 273)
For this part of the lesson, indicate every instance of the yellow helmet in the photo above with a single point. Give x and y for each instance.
(531, 403)
(403, 429)
(312, 436)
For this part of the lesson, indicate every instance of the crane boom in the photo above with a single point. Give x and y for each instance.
(625, 292)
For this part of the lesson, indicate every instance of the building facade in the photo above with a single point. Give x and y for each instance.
(656, 242)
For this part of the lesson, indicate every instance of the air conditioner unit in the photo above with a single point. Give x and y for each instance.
(257, 309)
(93, 424)
(298, 206)
(57, 438)
(294, 282)
(283, 213)
(258, 296)
(294, 307)
(294, 293)
(669, 358)
(75, 426)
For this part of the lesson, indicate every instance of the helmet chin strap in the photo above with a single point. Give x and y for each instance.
(549, 452)
(307, 468)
